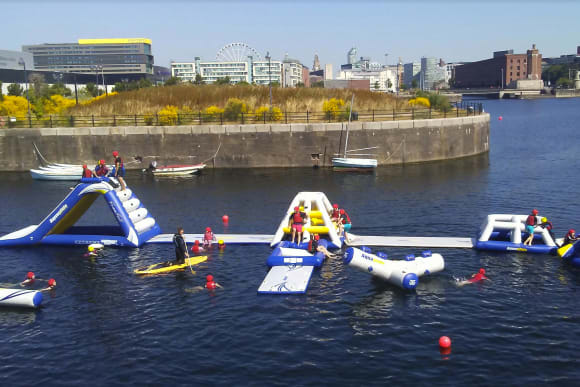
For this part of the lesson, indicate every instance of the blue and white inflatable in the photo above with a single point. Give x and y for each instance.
(402, 273)
(570, 254)
(135, 224)
(24, 298)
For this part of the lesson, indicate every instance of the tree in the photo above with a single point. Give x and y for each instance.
(564, 82)
(223, 81)
(144, 83)
(377, 86)
(414, 84)
(1, 95)
(38, 84)
(198, 79)
(57, 89)
(15, 90)
(172, 81)
(92, 89)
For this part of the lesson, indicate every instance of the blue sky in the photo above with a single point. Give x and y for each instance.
(452, 30)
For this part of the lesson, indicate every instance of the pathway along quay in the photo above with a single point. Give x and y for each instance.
(253, 145)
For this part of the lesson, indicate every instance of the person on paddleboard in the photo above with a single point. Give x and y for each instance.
(196, 248)
(208, 238)
(180, 247)
(211, 284)
(477, 277)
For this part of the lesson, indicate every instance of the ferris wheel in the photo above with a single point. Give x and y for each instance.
(236, 52)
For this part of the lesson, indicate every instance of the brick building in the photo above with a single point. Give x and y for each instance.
(503, 70)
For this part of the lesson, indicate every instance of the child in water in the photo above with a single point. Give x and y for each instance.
(29, 280)
(196, 248)
(477, 277)
(210, 284)
(51, 285)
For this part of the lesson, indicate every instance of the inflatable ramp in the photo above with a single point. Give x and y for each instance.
(135, 224)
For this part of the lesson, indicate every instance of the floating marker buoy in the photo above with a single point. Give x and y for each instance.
(225, 218)
(444, 342)
(500, 118)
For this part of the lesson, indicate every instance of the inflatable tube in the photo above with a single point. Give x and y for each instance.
(310, 229)
(288, 256)
(131, 204)
(24, 298)
(138, 214)
(124, 195)
(404, 273)
(144, 225)
(314, 215)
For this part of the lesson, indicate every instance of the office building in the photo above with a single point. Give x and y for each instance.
(432, 74)
(328, 72)
(411, 72)
(501, 70)
(117, 59)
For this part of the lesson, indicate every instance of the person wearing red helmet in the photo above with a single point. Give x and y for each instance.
(29, 280)
(296, 223)
(314, 247)
(51, 285)
(87, 173)
(531, 222)
(211, 284)
(101, 169)
(335, 214)
(119, 170)
(570, 237)
(477, 277)
(208, 238)
(196, 248)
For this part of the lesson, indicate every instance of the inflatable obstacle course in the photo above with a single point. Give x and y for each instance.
(23, 298)
(402, 273)
(135, 223)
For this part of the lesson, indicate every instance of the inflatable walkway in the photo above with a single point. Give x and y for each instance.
(135, 224)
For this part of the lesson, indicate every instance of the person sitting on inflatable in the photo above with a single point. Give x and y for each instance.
(208, 238)
(570, 237)
(211, 284)
(87, 173)
(531, 221)
(297, 220)
(29, 280)
(101, 169)
(314, 247)
(477, 277)
(51, 285)
(196, 248)
(335, 214)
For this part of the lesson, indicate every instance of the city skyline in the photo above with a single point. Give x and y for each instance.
(453, 31)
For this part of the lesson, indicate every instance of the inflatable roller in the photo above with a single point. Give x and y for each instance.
(402, 273)
(144, 224)
(131, 204)
(311, 229)
(124, 195)
(315, 214)
(23, 298)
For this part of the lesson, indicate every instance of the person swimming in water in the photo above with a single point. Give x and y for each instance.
(477, 277)
(196, 248)
(51, 285)
(91, 253)
(221, 244)
(29, 280)
(211, 284)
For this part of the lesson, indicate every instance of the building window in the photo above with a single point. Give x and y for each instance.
(511, 74)
(518, 73)
(518, 67)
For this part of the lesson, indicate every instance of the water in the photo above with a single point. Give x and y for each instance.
(105, 326)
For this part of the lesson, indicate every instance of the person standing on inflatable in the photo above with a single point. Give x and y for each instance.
(119, 171)
(335, 214)
(180, 247)
(208, 238)
(346, 222)
(101, 169)
(87, 173)
(531, 221)
(297, 220)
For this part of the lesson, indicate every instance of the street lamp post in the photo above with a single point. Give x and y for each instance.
(269, 76)
(22, 63)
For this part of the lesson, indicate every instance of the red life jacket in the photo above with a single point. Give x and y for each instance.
(208, 236)
(335, 214)
(478, 277)
(87, 173)
(346, 219)
(531, 221)
(210, 285)
(297, 218)
(195, 249)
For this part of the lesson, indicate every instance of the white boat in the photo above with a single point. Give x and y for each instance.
(346, 163)
(56, 174)
(177, 170)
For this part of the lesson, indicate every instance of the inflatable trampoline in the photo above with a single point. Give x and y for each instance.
(135, 223)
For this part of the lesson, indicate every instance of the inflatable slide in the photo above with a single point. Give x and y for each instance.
(135, 224)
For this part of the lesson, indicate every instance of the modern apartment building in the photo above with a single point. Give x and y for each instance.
(122, 59)
(291, 72)
(260, 72)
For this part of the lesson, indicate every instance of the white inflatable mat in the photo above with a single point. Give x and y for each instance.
(293, 279)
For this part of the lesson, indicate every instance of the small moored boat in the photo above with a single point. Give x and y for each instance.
(176, 170)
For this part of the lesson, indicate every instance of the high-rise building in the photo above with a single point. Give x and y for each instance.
(432, 74)
(351, 56)
(121, 59)
(328, 72)
(316, 65)
(411, 72)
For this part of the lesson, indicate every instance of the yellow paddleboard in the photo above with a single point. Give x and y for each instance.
(167, 267)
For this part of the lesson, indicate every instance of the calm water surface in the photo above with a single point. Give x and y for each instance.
(105, 326)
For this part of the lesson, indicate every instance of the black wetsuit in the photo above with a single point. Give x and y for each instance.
(180, 248)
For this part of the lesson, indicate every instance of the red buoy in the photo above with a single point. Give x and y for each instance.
(225, 218)
(444, 342)
(500, 118)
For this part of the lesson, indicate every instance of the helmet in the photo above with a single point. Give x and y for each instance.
(91, 249)
(335, 205)
(482, 271)
(115, 153)
(316, 237)
(221, 242)
(296, 208)
(52, 282)
(209, 278)
(30, 275)
(301, 208)
(207, 229)
(196, 242)
(102, 162)
(544, 220)
(84, 166)
(571, 231)
(535, 212)
(342, 212)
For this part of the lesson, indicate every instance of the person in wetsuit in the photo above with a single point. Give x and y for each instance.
(119, 170)
(180, 247)
(570, 237)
